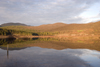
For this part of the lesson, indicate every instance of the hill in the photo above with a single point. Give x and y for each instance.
(41, 28)
(61, 28)
(65, 27)
(49, 26)
(12, 24)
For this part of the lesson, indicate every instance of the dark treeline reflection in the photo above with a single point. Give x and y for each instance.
(51, 43)
(14, 40)
(7, 41)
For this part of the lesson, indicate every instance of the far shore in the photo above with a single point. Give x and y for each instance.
(13, 36)
(54, 36)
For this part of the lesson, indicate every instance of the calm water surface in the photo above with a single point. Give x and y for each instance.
(44, 53)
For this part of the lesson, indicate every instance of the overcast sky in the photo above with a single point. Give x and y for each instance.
(37, 12)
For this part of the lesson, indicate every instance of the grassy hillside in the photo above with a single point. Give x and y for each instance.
(59, 28)
(41, 28)
(49, 26)
(80, 26)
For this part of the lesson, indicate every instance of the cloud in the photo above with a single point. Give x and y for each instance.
(93, 18)
(37, 12)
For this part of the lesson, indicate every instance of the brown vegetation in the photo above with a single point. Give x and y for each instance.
(61, 29)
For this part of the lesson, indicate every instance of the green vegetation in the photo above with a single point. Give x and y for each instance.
(12, 41)
(3, 42)
(22, 30)
(79, 30)
(11, 32)
(80, 41)
(5, 32)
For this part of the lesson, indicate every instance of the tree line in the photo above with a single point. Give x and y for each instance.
(11, 32)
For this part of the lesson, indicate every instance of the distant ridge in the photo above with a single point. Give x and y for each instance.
(12, 24)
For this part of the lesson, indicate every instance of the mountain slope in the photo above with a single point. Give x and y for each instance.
(94, 26)
(12, 24)
(60, 28)
(49, 26)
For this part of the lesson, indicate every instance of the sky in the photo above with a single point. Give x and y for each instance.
(38, 12)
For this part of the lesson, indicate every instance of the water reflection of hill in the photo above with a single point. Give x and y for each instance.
(53, 43)
(5, 48)
(13, 40)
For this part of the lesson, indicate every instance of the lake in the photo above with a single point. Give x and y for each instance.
(49, 52)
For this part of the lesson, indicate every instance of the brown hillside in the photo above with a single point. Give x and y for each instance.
(65, 27)
(49, 26)
(94, 26)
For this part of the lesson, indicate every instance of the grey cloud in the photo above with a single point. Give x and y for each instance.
(33, 11)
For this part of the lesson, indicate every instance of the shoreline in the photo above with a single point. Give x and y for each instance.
(17, 37)
(54, 36)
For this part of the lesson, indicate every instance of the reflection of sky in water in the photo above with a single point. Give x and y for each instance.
(42, 57)
(92, 57)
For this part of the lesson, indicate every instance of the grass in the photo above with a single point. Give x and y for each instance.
(79, 41)
(80, 31)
